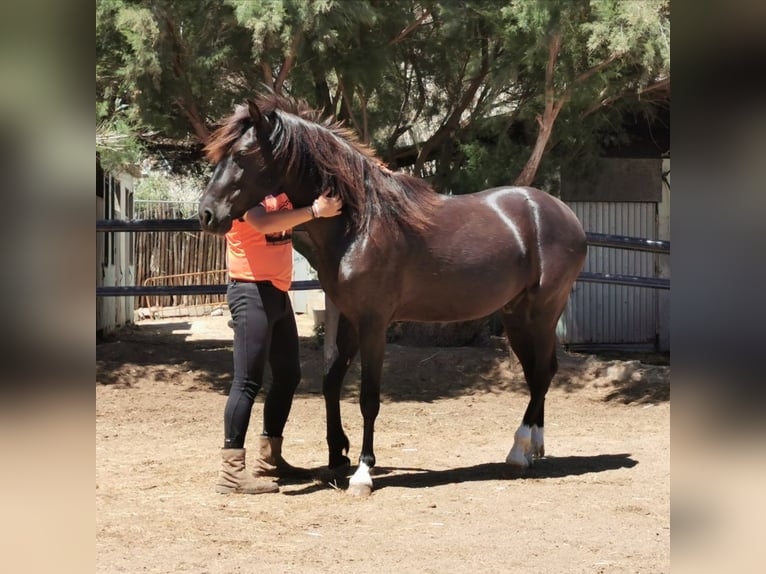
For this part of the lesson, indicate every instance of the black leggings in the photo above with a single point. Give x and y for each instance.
(264, 329)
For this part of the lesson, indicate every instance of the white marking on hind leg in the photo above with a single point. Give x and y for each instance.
(538, 443)
(520, 454)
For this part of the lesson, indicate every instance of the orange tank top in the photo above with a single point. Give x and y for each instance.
(254, 256)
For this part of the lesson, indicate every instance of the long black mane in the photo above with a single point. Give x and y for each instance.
(306, 144)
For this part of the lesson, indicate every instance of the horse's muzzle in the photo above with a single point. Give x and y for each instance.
(212, 224)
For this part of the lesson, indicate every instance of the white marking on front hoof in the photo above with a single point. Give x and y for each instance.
(520, 454)
(360, 484)
(359, 490)
(538, 442)
(517, 459)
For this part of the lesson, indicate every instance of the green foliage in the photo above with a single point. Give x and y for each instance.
(461, 84)
(175, 65)
(610, 51)
(116, 145)
(169, 187)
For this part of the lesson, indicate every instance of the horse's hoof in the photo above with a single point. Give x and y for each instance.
(342, 470)
(518, 460)
(332, 474)
(341, 465)
(360, 490)
(517, 468)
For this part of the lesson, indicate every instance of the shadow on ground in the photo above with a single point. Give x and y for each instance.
(157, 352)
(545, 468)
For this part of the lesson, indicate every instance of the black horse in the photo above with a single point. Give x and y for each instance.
(402, 252)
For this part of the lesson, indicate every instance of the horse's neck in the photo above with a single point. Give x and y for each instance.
(329, 243)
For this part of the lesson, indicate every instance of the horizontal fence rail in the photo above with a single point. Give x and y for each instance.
(135, 225)
(139, 225)
(624, 242)
(131, 291)
(631, 280)
(594, 239)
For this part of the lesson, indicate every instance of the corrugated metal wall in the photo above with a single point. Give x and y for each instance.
(604, 316)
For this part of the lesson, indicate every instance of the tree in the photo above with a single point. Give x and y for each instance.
(116, 142)
(332, 53)
(470, 94)
(175, 66)
(592, 53)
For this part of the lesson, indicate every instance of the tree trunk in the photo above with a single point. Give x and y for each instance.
(553, 106)
(546, 121)
(195, 119)
(529, 171)
(289, 62)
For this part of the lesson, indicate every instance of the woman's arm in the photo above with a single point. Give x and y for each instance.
(275, 221)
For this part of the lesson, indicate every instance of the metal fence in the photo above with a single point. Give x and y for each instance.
(192, 225)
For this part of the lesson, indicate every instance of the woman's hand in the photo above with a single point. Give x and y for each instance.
(326, 206)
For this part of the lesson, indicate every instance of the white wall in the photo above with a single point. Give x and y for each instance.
(117, 269)
(305, 301)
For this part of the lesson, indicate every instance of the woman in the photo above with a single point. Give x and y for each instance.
(260, 265)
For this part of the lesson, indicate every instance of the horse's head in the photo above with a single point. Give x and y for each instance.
(245, 171)
(278, 145)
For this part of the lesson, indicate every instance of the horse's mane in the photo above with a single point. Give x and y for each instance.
(306, 143)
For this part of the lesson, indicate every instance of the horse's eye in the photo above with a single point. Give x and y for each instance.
(242, 153)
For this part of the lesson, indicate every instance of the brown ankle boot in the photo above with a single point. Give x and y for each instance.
(271, 463)
(234, 478)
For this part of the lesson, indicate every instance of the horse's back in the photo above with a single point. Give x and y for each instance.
(544, 226)
(521, 209)
(535, 199)
(485, 249)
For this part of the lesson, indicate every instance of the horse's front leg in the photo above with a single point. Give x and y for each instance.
(340, 348)
(372, 342)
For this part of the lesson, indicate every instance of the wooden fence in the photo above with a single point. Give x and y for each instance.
(177, 257)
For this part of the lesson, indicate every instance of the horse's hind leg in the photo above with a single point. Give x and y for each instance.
(341, 346)
(533, 340)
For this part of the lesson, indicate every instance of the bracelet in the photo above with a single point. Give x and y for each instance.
(313, 213)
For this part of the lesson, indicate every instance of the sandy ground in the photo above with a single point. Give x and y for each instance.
(444, 500)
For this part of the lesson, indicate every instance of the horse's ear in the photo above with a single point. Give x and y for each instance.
(255, 111)
(260, 120)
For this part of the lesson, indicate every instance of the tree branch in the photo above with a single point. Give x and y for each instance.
(585, 75)
(186, 101)
(597, 68)
(268, 74)
(289, 61)
(409, 29)
(553, 53)
(548, 117)
(453, 121)
(553, 105)
(195, 119)
(347, 96)
(656, 86)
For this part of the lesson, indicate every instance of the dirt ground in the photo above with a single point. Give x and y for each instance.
(444, 500)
